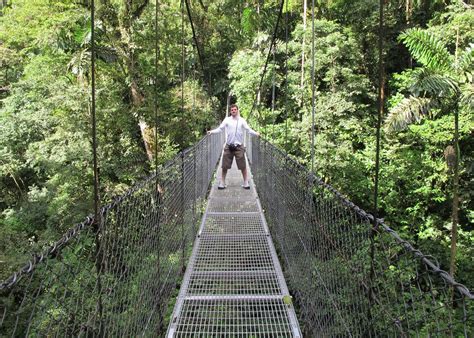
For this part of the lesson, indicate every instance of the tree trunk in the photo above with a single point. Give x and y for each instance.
(120, 31)
(136, 95)
(143, 128)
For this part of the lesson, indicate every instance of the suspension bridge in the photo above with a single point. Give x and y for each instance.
(175, 257)
(339, 276)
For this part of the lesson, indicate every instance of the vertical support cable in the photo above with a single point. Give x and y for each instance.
(157, 184)
(155, 91)
(183, 253)
(182, 61)
(194, 208)
(286, 76)
(273, 94)
(455, 217)
(380, 109)
(183, 218)
(97, 220)
(312, 86)
(381, 98)
(280, 11)
(455, 208)
(195, 196)
(311, 174)
(208, 84)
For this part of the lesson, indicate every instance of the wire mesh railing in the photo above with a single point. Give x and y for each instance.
(349, 275)
(117, 277)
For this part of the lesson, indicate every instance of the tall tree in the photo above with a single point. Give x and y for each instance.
(119, 22)
(444, 80)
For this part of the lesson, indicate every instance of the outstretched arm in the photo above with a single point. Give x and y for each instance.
(250, 130)
(218, 129)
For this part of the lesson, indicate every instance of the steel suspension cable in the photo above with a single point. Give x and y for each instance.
(200, 54)
(380, 104)
(273, 95)
(182, 56)
(268, 57)
(286, 76)
(312, 86)
(183, 63)
(155, 91)
(93, 116)
(157, 186)
(97, 220)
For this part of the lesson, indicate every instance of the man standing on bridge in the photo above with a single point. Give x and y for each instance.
(234, 126)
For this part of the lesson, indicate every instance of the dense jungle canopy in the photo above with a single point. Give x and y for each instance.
(46, 177)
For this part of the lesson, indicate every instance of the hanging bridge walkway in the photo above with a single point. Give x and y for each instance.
(346, 273)
(234, 285)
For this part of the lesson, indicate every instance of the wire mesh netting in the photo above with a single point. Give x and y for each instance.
(116, 278)
(351, 276)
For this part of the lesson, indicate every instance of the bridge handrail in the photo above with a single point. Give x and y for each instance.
(74, 231)
(434, 266)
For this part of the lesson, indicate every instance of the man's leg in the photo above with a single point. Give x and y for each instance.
(245, 177)
(227, 159)
(241, 164)
(224, 173)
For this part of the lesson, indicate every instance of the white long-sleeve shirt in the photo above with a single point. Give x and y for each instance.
(230, 124)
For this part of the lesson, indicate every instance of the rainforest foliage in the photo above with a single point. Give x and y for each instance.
(45, 140)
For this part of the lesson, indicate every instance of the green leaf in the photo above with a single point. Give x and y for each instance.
(426, 81)
(427, 49)
(409, 110)
(288, 300)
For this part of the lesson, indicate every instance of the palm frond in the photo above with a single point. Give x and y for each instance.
(467, 95)
(408, 111)
(427, 49)
(80, 64)
(427, 82)
(465, 62)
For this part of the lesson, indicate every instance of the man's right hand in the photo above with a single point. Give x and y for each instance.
(208, 132)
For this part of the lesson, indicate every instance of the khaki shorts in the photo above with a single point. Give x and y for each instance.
(228, 157)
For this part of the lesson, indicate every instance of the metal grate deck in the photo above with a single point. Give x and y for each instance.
(233, 224)
(237, 318)
(234, 283)
(230, 253)
(232, 204)
(233, 286)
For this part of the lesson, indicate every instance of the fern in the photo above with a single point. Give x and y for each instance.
(428, 50)
(408, 111)
(465, 63)
(426, 81)
(467, 95)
